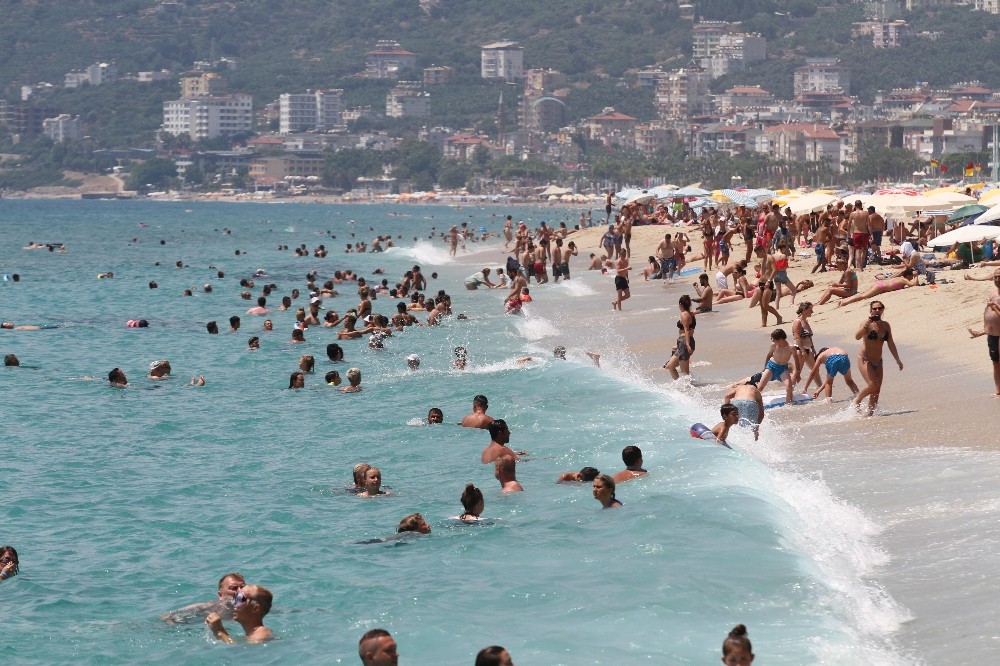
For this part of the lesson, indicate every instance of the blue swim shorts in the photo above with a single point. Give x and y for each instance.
(837, 363)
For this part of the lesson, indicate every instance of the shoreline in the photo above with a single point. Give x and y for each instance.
(938, 401)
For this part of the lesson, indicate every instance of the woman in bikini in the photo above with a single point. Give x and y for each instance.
(874, 333)
(846, 287)
(908, 279)
(805, 348)
(708, 242)
(681, 357)
(741, 291)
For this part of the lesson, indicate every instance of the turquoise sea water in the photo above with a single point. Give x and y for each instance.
(125, 504)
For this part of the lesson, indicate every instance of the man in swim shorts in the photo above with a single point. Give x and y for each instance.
(836, 361)
(991, 329)
(860, 228)
(621, 282)
(746, 398)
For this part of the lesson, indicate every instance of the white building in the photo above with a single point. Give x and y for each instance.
(502, 60)
(407, 101)
(62, 128)
(989, 6)
(388, 60)
(318, 111)
(822, 75)
(208, 117)
(102, 72)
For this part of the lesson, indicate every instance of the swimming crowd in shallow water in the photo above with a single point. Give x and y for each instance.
(249, 604)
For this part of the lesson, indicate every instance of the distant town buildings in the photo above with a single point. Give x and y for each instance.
(318, 111)
(388, 60)
(502, 60)
(208, 117)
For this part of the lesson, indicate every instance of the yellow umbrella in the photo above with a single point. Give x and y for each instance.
(939, 190)
(989, 196)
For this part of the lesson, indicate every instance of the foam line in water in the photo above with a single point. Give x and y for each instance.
(423, 252)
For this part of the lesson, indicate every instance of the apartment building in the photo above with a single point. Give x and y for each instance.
(502, 60)
(388, 60)
(313, 111)
(208, 117)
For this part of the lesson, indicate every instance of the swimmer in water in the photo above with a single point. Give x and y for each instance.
(435, 416)
(585, 475)
(604, 492)
(473, 502)
(117, 378)
(159, 369)
(736, 649)
(632, 457)
(229, 585)
(250, 605)
(411, 523)
(372, 483)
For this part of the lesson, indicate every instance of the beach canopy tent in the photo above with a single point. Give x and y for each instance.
(972, 233)
(554, 191)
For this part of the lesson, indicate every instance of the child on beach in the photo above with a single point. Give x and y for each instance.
(776, 365)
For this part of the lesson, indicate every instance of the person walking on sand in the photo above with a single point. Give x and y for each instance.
(680, 359)
(991, 329)
(874, 333)
(860, 230)
(621, 282)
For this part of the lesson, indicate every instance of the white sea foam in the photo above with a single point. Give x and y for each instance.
(423, 252)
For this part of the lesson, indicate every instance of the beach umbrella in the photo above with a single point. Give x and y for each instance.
(968, 210)
(664, 191)
(734, 197)
(969, 234)
(896, 190)
(759, 194)
(640, 198)
(991, 215)
(690, 192)
(953, 199)
(990, 197)
(812, 202)
(621, 198)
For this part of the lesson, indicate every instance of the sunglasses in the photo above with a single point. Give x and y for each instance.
(7, 560)
(239, 599)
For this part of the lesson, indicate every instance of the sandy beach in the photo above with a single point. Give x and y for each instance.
(940, 398)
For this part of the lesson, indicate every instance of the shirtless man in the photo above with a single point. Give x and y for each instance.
(596, 263)
(478, 418)
(705, 294)
(607, 206)
(500, 437)
(541, 274)
(632, 457)
(627, 235)
(680, 244)
(512, 304)
(505, 471)
(820, 240)
(748, 400)
(229, 585)
(557, 260)
(991, 329)
(665, 255)
(771, 224)
(621, 282)
(722, 277)
(877, 225)
(528, 261)
(250, 605)
(860, 229)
